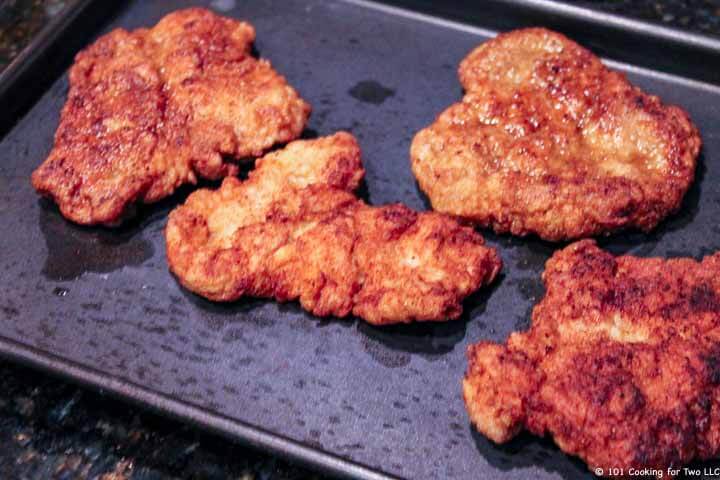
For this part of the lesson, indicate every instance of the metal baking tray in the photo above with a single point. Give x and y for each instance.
(99, 307)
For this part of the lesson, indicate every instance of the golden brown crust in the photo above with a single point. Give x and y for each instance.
(295, 231)
(549, 141)
(151, 109)
(621, 364)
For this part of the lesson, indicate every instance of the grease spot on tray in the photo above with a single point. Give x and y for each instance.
(4, 196)
(74, 250)
(9, 310)
(370, 91)
(526, 451)
(392, 345)
(60, 292)
(247, 310)
(383, 355)
(223, 5)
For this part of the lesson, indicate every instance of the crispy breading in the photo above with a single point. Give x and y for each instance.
(295, 231)
(152, 109)
(621, 364)
(549, 141)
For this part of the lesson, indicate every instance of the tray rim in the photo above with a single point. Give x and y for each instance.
(563, 9)
(672, 34)
(43, 40)
(163, 404)
(233, 429)
(675, 36)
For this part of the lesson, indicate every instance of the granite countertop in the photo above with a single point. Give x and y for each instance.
(20, 20)
(699, 16)
(52, 429)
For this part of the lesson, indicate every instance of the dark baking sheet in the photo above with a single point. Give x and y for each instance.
(100, 307)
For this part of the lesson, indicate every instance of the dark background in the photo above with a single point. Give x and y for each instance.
(51, 429)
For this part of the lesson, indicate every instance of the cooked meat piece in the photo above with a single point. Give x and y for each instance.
(295, 231)
(152, 109)
(549, 141)
(621, 365)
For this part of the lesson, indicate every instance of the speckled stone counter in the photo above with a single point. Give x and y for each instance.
(52, 429)
(700, 16)
(21, 20)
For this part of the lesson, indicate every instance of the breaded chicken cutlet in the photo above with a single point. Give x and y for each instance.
(621, 364)
(152, 109)
(295, 231)
(549, 141)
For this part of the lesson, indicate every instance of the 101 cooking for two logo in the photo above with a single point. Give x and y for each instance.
(704, 472)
